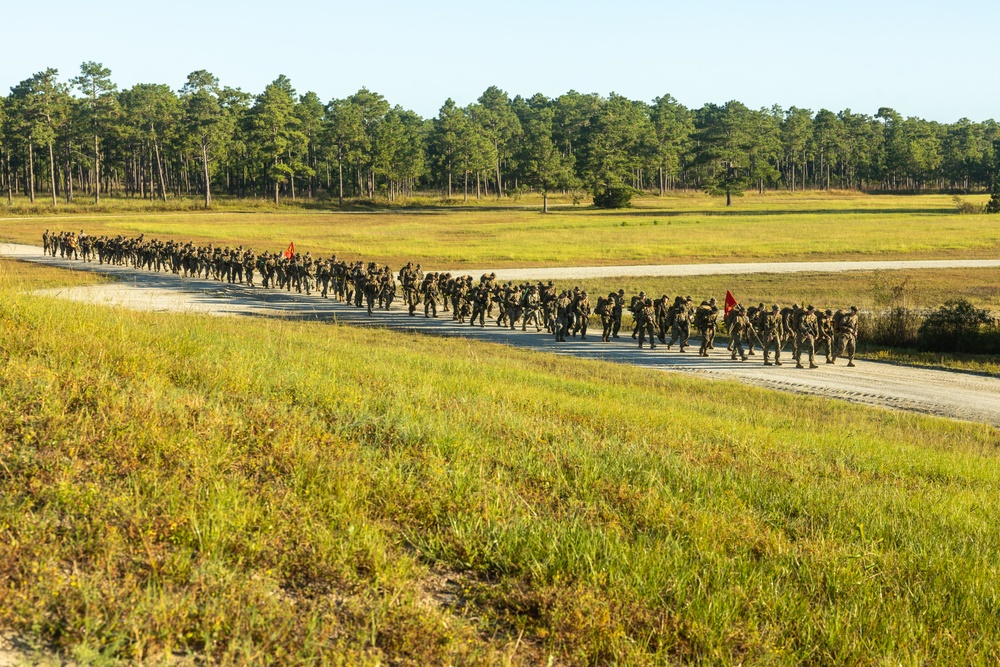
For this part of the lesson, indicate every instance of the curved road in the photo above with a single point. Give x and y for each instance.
(945, 393)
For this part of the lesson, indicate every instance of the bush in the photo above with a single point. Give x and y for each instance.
(993, 205)
(619, 197)
(896, 327)
(967, 207)
(954, 327)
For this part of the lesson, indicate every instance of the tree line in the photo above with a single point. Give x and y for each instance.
(62, 138)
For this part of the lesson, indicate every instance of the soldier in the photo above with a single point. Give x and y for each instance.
(680, 322)
(636, 303)
(772, 333)
(805, 337)
(605, 309)
(706, 319)
(581, 309)
(531, 306)
(387, 291)
(740, 328)
(661, 308)
(644, 322)
(561, 323)
(430, 292)
(616, 313)
(846, 330)
(824, 339)
(480, 298)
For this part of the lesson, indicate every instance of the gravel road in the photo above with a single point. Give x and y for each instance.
(946, 393)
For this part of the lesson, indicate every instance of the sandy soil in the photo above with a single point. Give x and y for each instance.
(946, 393)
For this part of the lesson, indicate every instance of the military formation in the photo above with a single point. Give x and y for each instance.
(807, 330)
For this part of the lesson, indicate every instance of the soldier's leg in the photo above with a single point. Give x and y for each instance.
(852, 343)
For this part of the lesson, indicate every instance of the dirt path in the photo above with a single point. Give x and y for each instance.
(946, 393)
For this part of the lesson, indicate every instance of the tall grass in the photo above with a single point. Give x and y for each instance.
(247, 491)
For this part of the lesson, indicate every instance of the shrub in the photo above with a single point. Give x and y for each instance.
(895, 327)
(967, 207)
(993, 205)
(954, 327)
(613, 197)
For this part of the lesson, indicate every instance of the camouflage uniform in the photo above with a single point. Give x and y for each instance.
(824, 339)
(644, 322)
(805, 337)
(680, 322)
(772, 333)
(706, 319)
(846, 331)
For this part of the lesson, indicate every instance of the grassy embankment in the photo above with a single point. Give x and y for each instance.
(290, 491)
(677, 229)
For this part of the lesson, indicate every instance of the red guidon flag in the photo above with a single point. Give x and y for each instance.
(291, 253)
(730, 301)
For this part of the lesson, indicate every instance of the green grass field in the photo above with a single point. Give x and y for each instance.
(250, 491)
(674, 229)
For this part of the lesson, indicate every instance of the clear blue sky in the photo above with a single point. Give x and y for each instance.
(936, 60)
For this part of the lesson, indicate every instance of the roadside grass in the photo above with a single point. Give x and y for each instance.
(248, 490)
(674, 229)
(982, 364)
(15, 274)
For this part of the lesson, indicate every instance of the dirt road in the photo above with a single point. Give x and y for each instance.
(946, 393)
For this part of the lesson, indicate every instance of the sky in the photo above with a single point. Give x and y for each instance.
(935, 60)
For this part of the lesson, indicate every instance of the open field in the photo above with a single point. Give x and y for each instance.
(182, 483)
(675, 229)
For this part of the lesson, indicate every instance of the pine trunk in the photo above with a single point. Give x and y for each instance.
(31, 172)
(52, 172)
(97, 172)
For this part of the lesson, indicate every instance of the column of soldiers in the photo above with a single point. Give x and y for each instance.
(561, 313)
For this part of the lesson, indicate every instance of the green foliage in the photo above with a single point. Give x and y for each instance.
(993, 206)
(956, 327)
(608, 197)
(544, 166)
(208, 138)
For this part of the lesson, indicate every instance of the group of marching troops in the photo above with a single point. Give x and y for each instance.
(562, 313)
